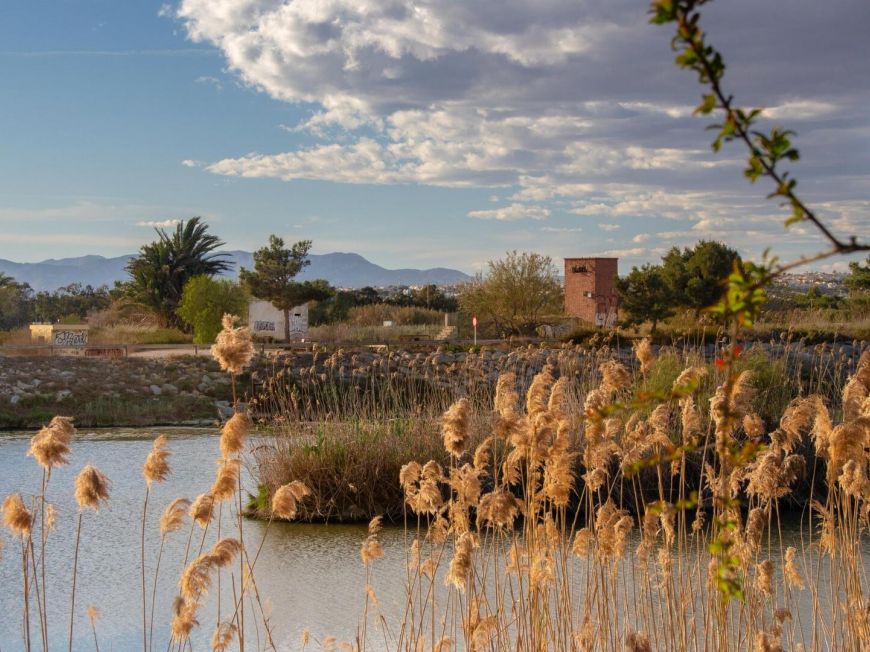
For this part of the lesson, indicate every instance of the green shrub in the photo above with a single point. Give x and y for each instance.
(204, 302)
(376, 314)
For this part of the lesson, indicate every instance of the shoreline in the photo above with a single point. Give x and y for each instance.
(192, 390)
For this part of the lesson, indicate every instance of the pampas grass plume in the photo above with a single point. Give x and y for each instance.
(183, 618)
(225, 551)
(506, 397)
(637, 642)
(371, 549)
(50, 446)
(16, 516)
(764, 577)
(227, 479)
(173, 516)
(233, 347)
(460, 565)
(202, 509)
(286, 499)
(615, 377)
(156, 467)
(196, 578)
(223, 636)
(454, 427)
(644, 354)
(92, 488)
(790, 569)
(537, 398)
(233, 434)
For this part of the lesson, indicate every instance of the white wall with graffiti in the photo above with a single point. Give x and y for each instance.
(265, 320)
(62, 335)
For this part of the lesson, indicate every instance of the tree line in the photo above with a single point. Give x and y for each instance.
(686, 278)
(20, 304)
(176, 277)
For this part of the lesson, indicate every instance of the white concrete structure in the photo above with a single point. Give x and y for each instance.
(265, 320)
(64, 335)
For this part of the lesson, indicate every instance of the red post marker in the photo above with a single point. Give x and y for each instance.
(474, 323)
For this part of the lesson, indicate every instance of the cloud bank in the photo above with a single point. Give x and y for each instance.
(569, 105)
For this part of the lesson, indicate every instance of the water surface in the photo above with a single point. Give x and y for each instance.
(310, 576)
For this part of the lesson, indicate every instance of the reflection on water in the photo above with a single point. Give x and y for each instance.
(310, 576)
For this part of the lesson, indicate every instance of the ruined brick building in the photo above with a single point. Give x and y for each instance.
(590, 289)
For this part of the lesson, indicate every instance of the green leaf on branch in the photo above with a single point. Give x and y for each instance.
(708, 103)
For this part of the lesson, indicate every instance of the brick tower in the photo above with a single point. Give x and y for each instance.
(590, 289)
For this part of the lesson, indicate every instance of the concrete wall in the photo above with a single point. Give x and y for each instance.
(265, 320)
(590, 289)
(63, 335)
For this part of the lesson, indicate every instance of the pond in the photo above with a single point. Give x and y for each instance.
(310, 577)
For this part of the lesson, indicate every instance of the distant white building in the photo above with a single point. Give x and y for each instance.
(265, 320)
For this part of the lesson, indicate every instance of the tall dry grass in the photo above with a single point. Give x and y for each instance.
(592, 504)
(666, 569)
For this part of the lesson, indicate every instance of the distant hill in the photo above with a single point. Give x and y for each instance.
(340, 269)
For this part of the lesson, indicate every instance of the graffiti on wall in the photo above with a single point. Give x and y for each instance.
(70, 338)
(298, 325)
(264, 326)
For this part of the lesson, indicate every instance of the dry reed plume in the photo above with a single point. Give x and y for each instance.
(233, 348)
(566, 512)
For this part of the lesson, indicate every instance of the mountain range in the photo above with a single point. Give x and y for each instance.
(345, 270)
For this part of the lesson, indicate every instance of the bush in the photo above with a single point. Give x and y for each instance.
(204, 302)
(351, 467)
(377, 314)
(138, 335)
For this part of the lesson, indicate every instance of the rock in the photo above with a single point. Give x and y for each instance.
(14, 399)
(155, 390)
(169, 388)
(62, 394)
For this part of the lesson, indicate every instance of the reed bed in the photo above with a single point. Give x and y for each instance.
(668, 569)
(571, 501)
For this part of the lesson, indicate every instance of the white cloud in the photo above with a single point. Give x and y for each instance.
(512, 212)
(609, 227)
(558, 104)
(191, 163)
(641, 237)
(210, 80)
(158, 224)
(487, 94)
(561, 229)
(670, 110)
(636, 252)
(800, 110)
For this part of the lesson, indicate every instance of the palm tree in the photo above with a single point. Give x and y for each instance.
(162, 268)
(7, 281)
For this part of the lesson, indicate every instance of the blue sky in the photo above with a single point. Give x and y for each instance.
(416, 134)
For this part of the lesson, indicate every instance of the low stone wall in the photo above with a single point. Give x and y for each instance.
(59, 379)
(445, 368)
(97, 390)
